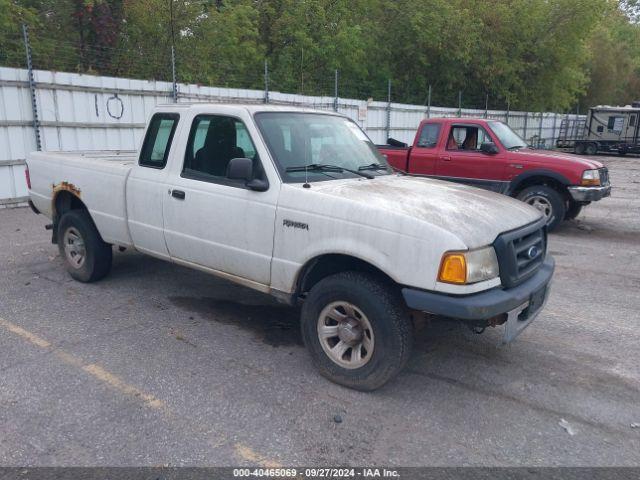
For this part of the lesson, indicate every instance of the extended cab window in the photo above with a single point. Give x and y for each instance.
(157, 142)
(214, 141)
(467, 138)
(429, 135)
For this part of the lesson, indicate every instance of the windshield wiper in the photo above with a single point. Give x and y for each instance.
(325, 167)
(372, 166)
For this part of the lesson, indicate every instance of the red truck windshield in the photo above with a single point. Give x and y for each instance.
(509, 139)
(300, 139)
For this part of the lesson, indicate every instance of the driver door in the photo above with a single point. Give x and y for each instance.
(214, 222)
(461, 159)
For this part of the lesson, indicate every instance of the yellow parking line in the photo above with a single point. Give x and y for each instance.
(246, 453)
(92, 369)
(24, 334)
(115, 382)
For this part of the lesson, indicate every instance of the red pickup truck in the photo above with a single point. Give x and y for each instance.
(489, 154)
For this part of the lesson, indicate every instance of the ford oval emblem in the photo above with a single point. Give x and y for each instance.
(533, 252)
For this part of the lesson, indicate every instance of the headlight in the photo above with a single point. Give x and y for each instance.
(469, 267)
(591, 178)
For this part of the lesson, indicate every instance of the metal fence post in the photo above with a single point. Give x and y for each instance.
(32, 86)
(540, 130)
(486, 106)
(335, 92)
(553, 132)
(174, 89)
(266, 81)
(506, 120)
(429, 103)
(388, 127)
(459, 103)
(526, 119)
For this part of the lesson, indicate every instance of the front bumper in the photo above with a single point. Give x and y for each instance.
(521, 304)
(589, 194)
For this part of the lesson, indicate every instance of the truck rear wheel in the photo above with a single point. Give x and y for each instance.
(357, 330)
(591, 149)
(86, 256)
(547, 200)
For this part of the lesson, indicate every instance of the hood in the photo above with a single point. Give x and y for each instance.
(549, 156)
(475, 216)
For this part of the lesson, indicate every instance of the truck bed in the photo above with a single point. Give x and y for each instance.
(97, 177)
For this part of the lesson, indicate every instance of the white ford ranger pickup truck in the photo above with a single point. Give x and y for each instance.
(299, 204)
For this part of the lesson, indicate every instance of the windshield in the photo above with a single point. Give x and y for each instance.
(299, 139)
(508, 138)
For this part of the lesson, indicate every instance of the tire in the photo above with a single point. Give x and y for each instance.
(376, 311)
(86, 256)
(573, 211)
(547, 200)
(591, 149)
(579, 148)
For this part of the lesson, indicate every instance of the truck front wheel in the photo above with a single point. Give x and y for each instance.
(86, 256)
(357, 330)
(547, 200)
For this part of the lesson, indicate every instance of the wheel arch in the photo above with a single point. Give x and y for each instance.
(65, 198)
(539, 177)
(324, 265)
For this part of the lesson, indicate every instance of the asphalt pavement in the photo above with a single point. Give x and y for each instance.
(161, 365)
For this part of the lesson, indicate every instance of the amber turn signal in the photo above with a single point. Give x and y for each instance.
(590, 182)
(453, 268)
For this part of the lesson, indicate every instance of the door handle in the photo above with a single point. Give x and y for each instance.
(179, 194)
(446, 158)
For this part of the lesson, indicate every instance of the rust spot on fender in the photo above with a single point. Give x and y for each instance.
(62, 187)
(66, 186)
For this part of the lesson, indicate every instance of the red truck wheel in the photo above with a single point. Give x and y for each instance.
(547, 200)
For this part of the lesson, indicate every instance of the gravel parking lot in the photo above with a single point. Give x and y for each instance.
(161, 365)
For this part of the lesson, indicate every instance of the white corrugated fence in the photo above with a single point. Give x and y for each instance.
(87, 112)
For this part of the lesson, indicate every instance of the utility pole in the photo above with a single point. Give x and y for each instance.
(32, 86)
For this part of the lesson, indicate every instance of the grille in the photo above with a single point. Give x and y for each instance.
(521, 252)
(604, 177)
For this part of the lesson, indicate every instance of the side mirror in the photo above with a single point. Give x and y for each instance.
(489, 147)
(242, 169)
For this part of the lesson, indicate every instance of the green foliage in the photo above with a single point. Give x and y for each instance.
(528, 54)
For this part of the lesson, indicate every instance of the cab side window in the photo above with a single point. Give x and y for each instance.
(157, 141)
(467, 138)
(214, 141)
(429, 135)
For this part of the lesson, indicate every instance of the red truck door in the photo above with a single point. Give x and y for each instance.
(424, 154)
(460, 158)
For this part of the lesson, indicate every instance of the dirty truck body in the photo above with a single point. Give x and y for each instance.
(300, 205)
